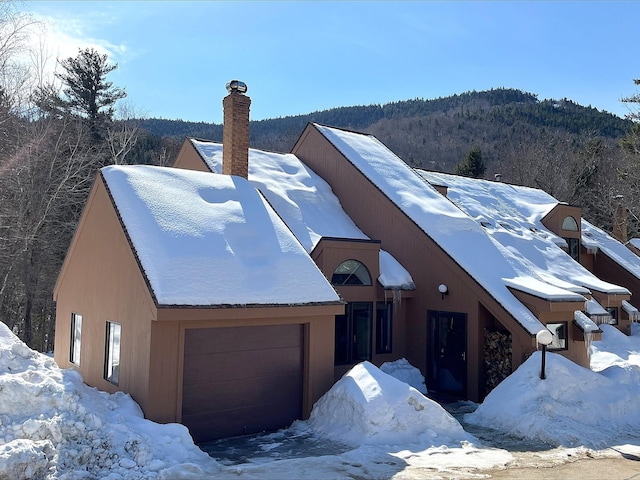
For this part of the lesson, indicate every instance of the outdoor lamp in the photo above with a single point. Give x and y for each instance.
(544, 338)
(443, 289)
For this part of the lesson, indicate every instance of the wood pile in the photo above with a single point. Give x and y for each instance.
(497, 357)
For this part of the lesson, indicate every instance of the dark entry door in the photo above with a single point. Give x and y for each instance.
(447, 352)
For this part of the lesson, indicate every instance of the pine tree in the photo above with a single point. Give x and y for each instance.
(473, 164)
(87, 91)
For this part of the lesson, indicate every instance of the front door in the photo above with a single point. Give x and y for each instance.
(447, 353)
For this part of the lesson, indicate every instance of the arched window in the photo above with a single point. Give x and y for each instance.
(351, 272)
(570, 224)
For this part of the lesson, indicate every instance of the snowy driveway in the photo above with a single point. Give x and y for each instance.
(293, 452)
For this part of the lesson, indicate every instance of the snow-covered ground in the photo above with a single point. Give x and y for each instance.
(52, 426)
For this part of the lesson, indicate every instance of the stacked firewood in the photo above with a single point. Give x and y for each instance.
(497, 357)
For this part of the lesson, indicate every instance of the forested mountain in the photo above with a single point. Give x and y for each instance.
(433, 134)
(573, 152)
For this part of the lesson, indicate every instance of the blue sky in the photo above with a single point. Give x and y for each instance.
(174, 58)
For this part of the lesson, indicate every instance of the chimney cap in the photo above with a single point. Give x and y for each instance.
(236, 86)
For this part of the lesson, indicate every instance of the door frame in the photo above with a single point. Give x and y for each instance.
(443, 376)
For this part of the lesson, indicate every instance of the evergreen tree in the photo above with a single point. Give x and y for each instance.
(635, 99)
(473, 164)
(87, 91)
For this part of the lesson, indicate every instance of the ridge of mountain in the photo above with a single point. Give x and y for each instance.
(434, 133)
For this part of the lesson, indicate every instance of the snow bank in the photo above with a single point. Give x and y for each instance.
(616, 349)
(405, 372)
(54, 426)
(573, 406)
(367, 406)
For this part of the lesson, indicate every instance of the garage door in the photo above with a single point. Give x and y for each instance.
(241, 380)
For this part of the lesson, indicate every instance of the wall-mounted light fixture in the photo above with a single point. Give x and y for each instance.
(443, 289)
(544, 337)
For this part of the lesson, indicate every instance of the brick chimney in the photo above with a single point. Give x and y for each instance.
(235, 134)
(620, 220)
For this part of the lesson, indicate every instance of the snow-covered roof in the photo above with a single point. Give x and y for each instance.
(614, 249)
(209, 240)
(584, 322)
(305, 202)
(512, 215)
(453, 230)
(634, 314)
(635, 242)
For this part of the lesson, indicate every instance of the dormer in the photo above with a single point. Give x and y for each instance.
(564, 220)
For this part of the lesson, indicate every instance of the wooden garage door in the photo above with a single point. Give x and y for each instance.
(241, 380)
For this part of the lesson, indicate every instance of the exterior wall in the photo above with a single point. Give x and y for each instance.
(101, 281)
(167, 355)
(428, 264)
(328, 255)
(610, 271)
(189, 158)
(613, 300)
(553, 220)
(554, 312)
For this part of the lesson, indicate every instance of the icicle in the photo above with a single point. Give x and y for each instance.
(588, 338)
(397, 298)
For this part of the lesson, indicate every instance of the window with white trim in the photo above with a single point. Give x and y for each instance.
(76, 338)
(559, 331)
(112, 353)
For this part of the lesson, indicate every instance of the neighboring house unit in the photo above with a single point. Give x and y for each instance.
(553, 242)
(615, 262)
(186, 290)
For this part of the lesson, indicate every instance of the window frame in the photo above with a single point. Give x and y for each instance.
(384, 327)
(111, 360)
(352, 274)
(573, 248)
(613, 311)
(570, 224)
(554, 346)
(349, 346)
(75, 344)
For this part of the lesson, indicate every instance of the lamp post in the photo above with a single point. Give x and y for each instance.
(544, 338)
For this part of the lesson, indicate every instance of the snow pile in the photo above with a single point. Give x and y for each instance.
(54, 426)
(616, 349)
(573, 406)
(367, 406)
(405, 372)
